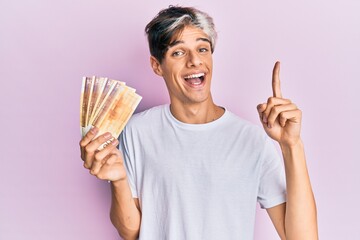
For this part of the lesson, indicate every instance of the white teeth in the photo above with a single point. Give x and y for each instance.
(195, 75)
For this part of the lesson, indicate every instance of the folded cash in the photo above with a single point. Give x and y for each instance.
(106, 104)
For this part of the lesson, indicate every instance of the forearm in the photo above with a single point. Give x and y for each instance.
(301, 216)
(124, 213)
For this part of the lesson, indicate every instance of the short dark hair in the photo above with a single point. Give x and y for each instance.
(170, 22)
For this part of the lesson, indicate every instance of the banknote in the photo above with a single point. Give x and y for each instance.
(119, 113)
(109, 102)
(106, 104)
(89, 96)
(100, 88)
(85, 93)
(107, 89)
(96, 87)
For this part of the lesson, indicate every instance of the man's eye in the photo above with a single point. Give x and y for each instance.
(178, 53)
(203, 50)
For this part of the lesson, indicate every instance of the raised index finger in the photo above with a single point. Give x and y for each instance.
(276, 81)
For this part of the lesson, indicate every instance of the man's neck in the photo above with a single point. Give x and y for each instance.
(196, 113)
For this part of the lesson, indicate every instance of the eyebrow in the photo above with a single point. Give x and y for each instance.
(179, 42)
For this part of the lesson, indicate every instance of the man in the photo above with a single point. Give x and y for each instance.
(192, 169)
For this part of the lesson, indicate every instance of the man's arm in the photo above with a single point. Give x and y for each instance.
(277, 216)
(125, 210)
(281, 119)
(108, 164)
(300, 217)
(297, 218)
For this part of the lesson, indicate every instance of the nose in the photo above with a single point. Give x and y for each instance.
(194, 60)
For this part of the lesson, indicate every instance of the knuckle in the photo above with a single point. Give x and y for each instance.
(276, 110)
(263, 107)
(86, 165)
(270, 100)
(92, 172)
(87, 148)
(112, 159)
(98, 157)
(82, 143)
(100, 176)
(109, 161)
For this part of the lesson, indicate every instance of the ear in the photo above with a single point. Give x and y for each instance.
(156, 66)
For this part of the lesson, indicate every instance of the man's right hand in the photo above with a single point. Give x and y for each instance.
(106, 164)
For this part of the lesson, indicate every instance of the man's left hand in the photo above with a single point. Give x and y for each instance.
(280, 117)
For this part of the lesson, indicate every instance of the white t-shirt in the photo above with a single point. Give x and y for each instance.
(200, 181)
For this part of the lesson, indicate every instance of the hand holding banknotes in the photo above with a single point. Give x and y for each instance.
(106, 105)
(105, 164)
(280, 117)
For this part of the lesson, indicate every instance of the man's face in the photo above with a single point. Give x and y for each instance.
(187, 67)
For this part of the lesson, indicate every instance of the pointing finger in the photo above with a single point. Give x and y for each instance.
(276, 81)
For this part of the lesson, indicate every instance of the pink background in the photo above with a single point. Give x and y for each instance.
(47, 46)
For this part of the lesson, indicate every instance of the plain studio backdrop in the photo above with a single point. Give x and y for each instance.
(47, 46)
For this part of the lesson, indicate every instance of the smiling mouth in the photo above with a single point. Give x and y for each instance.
(195, 79)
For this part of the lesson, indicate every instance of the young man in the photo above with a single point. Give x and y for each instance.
(194, 170)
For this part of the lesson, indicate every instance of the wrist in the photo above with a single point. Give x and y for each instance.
(119, 183)
(291, 146)
(293, 153)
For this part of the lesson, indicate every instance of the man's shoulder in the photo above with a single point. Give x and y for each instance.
(241, 122)
(244, 127)
(147, 116)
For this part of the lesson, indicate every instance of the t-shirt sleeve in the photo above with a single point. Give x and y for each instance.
(272, 187)
(128, 162)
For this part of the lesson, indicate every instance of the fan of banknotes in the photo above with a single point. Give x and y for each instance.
(106, 104)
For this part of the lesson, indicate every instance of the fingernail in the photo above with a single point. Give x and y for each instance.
(107, 135)
(268, 125)
(114, 142)
(94, 130)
